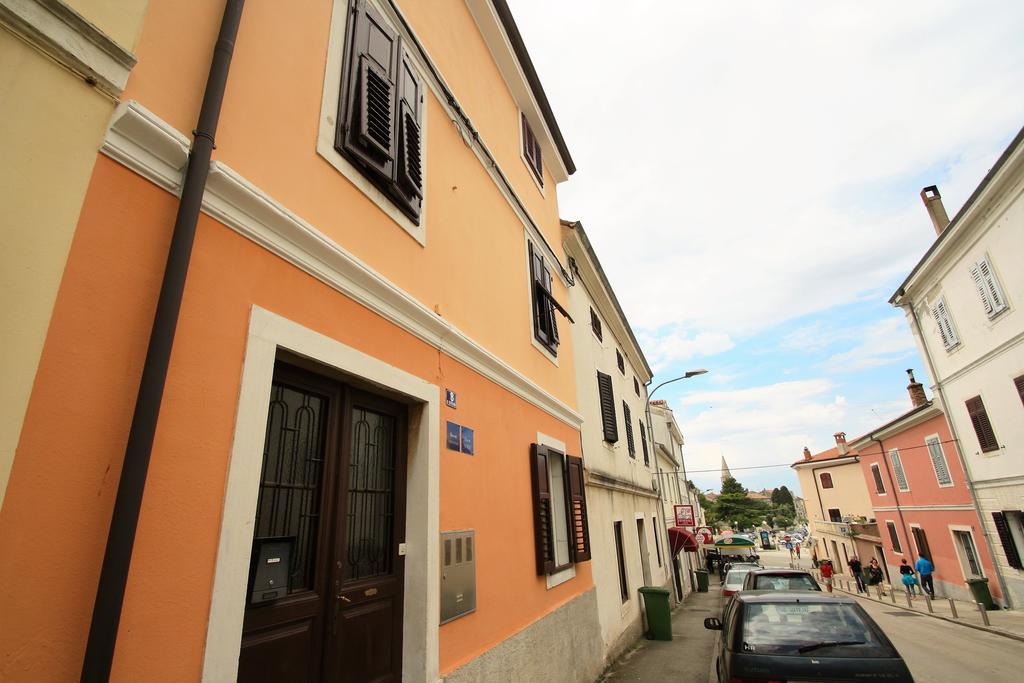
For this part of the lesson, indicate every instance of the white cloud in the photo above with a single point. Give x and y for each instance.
(677, 345)
(886, 341)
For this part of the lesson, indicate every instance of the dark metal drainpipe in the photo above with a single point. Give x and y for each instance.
(106, 615)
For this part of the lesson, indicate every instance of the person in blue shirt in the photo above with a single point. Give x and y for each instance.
(925, 568)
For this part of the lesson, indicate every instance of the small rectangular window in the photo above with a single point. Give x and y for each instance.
(531, 152)
(835, 515)
(876, 473)
(636, 386)
(939, 461)
(629, 429)
(982, 426)
(991, 294)
(897, 468)
(623, 586)
(595, 324)
(894, 537)
(921, 541)
(826, 480)
(968, 553)
(620, 361)
(945, 324)
(545, 327)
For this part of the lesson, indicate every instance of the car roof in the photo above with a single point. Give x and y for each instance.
(781, 571)
(794, 596)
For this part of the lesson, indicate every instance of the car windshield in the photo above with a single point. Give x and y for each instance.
(785, 582)
(805, 629)
(734, 579)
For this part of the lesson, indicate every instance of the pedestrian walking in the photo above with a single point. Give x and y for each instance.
(798, 551)
(856, 569)
(875, 576)
(826, 573)
(909, 580)
(925, 568)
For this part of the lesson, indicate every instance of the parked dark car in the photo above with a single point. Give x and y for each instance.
(802, 635)
(780, 580)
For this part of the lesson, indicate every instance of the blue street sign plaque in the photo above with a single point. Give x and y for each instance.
(467, 440)
(454, 433)
(449, 398)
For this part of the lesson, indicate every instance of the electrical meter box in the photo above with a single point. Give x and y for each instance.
(271, 567)
(458, 574)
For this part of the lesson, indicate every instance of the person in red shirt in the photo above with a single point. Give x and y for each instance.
(826, 574)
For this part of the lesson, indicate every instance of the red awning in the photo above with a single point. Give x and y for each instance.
(680, 538)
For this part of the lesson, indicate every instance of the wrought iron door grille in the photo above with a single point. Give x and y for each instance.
(290, 485)
(371, 496)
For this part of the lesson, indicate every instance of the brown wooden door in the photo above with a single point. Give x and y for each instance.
(334, 481)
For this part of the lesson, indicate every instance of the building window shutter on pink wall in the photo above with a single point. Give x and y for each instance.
(939, 462)
(897, 468)
(877, 474)
(894, 537)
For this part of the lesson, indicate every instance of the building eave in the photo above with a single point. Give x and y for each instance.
(909, 419)
(831, 462)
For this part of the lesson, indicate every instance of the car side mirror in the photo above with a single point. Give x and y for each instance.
(713, 624)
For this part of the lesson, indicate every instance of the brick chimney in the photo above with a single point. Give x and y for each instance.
(807, 453)
(916, 390)
(841, 442)
(936, 211)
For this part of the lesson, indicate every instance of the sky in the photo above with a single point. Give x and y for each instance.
(749, 174)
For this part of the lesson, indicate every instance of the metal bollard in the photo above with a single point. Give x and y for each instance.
(878, 587)
(892, 594)
(952, 608)
(928, 604)
(909, 604)
(984, 614)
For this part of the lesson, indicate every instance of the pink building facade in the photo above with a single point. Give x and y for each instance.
(922, 501)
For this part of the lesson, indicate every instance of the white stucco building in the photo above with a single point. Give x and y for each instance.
(627, 532)
(963, 301)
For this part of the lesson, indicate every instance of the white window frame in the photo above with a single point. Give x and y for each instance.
(945, 461)
(961, 555)
(569, 572)
(944, 322)
(527, 242)
(876, 469)
(987, 284)
(529, 167)
(329, 123)
(912, 540)
(898, 469)
(895, 535)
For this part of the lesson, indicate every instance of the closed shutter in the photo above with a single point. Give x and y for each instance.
(939, 462)
(543, 533)
(595, 324)
(1018, 382)
(369, 92)
(410, 139)
(894, 537)
(607, 399)
(628, 419)
(897, 468)
(643, 443)
(992, 286)
(1006, 538)
(877, 474)
(579, 534)
(921, 541)
(982, 427)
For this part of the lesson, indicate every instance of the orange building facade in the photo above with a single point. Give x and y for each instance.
(367, 386)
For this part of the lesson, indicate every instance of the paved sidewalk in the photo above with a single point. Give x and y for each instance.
(1008, 623)
(687, 658)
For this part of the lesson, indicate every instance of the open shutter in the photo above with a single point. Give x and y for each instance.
(368, 93)
(607, 399)
(1018, 382)
(1006, 538)
(579, 534)
(991, 286)
(986, 300)
(628, 419)
(946, 331)
(409, 174)
(543, 533)
(982, 426)
(643, 443)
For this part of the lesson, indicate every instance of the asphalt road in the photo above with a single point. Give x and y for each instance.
(938, 651)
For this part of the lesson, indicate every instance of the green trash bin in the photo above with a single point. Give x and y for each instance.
(980, 592)
(702, 580)
(659, 617)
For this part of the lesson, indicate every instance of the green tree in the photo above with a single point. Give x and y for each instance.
(733, 506)
(782, 496)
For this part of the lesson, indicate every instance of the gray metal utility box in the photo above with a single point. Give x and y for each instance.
(458, 574)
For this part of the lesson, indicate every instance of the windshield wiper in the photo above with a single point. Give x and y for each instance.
(829, 643)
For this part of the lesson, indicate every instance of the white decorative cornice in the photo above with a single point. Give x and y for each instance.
(156, 151)
(68, 38)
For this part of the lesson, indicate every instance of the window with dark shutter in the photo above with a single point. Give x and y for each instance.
(1018, 382)
(921, 541)
(531, 151)
(1006, 538)
(381, 110)
(623, 586)
(636, 386)
(643, 443)
(545, 328)
(894, 537)
(982, 426)
(543, 522)
(628, 419)
(607, 399)
(877, 474)
(595, 324)
(620, 361)
(579, 534)
(826, 480)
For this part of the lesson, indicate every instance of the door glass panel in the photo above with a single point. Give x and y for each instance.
(371, 496)
(289, 498)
